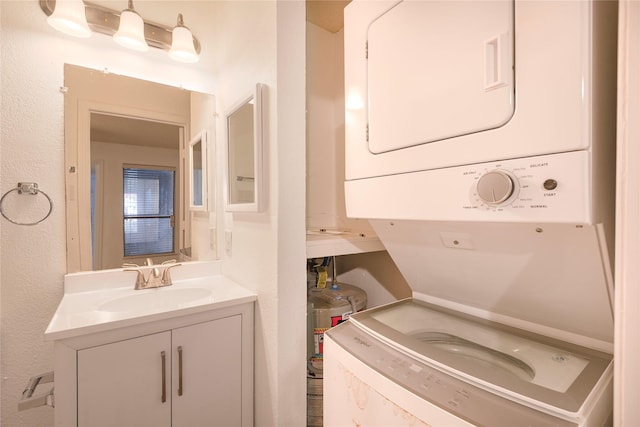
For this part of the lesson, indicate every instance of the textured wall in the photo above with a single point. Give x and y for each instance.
(32, 149)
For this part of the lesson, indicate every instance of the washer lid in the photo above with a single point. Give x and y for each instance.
(439, 69)
(539, 371)
(552, 279)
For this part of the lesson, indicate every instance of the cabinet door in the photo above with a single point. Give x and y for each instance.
(207, 363)
(121, 384)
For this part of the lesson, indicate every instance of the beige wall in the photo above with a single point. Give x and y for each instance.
(325, 129)
(325, 132)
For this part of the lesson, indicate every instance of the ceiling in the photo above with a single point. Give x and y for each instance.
(327, 14)
(126, 130)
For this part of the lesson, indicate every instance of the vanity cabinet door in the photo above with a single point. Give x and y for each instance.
(207, 374)
(121, 384)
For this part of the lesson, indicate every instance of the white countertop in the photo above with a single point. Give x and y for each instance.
(105, 300)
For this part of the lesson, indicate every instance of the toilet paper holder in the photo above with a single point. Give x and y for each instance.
(29, 400)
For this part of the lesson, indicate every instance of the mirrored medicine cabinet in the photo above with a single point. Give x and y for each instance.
(244, 166)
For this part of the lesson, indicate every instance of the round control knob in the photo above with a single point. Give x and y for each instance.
(495, 187)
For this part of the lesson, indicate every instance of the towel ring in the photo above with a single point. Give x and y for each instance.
(28, 188)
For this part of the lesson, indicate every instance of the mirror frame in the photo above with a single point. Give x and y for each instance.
(257, 205)
(201, 138)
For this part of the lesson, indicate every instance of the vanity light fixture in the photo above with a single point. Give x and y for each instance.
(69, 18)
(130, 32)
(107, 21)
(182, 48)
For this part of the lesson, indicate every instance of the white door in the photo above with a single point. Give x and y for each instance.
(121, 384)
(207, 374)
(437, 70)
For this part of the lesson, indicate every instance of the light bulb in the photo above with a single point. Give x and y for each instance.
(69, 17)
(182, 47)
(130, 33)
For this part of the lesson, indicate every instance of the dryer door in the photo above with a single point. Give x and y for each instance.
(437, 70)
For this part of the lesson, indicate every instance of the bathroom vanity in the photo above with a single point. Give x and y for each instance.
(180, 355)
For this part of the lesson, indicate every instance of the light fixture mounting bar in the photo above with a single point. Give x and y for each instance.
(106, 21)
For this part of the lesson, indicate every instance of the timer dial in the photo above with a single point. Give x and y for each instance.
(495, 187)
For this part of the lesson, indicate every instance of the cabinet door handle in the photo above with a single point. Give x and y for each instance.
(179, 370)
(164, 376)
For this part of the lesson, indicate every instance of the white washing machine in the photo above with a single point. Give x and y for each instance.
(509, 325)
(415, 364)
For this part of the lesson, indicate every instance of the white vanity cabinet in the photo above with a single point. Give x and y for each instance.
(188, 371)
(189, 376)
(120, 383)
(207, 374)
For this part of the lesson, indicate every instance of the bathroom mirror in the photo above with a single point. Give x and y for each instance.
(244, 154)
(198, 172)
(115, 129)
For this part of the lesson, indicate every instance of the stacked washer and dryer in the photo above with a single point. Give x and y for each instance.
(480, 144)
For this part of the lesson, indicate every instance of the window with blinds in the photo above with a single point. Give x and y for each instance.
(148, 210)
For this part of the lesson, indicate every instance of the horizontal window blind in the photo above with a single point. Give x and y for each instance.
(148, 211)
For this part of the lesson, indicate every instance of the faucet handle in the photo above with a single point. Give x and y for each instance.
(140, 280)
(166, 276)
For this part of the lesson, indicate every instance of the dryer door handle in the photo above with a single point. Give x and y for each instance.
(497, 63)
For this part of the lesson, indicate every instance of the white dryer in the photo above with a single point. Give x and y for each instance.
(480, 110)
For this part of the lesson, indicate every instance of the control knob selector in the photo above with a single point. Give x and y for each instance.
(495, 187)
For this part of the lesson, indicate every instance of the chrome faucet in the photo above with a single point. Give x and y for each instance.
(155, 271)
(158, 275)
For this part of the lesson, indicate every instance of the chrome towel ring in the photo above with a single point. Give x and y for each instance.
(30, 188)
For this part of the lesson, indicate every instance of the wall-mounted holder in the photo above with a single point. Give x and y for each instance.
(30, 401)
(30, 188)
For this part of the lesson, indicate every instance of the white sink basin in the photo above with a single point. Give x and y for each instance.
(157, 299)
(100, 301)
